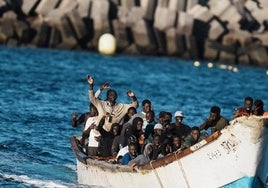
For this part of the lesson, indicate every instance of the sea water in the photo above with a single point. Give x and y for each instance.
(41, 88)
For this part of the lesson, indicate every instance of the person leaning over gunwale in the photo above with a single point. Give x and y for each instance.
(113, 111)
(215, 121)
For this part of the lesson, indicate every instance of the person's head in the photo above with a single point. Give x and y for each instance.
(167, 147)
(141, 137)
(131, 111)
(195, 133)
(115, 128)
(146, 105)
(176, 142)
(156, 140)
(178, 116)
(167, 119)
(149, 116)
(111, 96)
(132, 149)
(137, 123)
(148, 150)
(131, 139)
(215, 112)
(158, 129)
(248, 103)
(258, 107)
(161, 116)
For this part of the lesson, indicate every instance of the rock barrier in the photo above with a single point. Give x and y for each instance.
(230, 31)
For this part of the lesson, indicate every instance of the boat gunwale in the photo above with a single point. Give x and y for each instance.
(103, 162)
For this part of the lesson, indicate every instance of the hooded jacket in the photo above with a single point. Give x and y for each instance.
(142, 158)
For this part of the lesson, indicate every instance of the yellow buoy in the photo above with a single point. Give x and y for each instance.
(210, 65)
(197, 63)
(107, 44)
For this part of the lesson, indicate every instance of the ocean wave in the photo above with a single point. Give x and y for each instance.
(34, 182)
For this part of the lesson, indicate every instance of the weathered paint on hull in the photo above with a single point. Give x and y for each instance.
(234, 155)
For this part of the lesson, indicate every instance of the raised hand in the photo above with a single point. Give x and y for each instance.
(130, 93)
(105, 86)
(90, 79)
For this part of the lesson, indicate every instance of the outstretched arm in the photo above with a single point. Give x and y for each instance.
(131, 94)
(103, 87)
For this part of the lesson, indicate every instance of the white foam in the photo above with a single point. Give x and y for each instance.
(34, 182)
(72, 167)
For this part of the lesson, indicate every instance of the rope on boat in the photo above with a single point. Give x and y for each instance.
(156, 174)
(183, 172)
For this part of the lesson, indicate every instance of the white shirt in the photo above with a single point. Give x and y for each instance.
(122, 151)
(93, 132)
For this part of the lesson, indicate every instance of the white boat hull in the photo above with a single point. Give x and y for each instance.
(233, 155)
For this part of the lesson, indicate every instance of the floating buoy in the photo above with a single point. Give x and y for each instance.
(222, 66)
(235, 69)
(210, 65)
(107, 44)
(197, 63)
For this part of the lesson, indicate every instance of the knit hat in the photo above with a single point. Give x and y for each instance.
(158, 126)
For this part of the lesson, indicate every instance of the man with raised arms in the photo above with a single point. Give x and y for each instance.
(113, 111)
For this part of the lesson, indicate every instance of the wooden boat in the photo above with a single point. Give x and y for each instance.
(221, 158)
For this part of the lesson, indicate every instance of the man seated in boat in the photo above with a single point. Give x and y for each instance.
(192, 138)
(124, 150)
(215, 121)
(246, 109)
(258, 108)
(131, 154)
(178, 128)
(143, 158)
(109, 106)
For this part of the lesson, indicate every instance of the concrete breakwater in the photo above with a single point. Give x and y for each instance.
(231, 31)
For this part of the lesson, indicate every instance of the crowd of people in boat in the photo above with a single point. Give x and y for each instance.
(117, 129)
